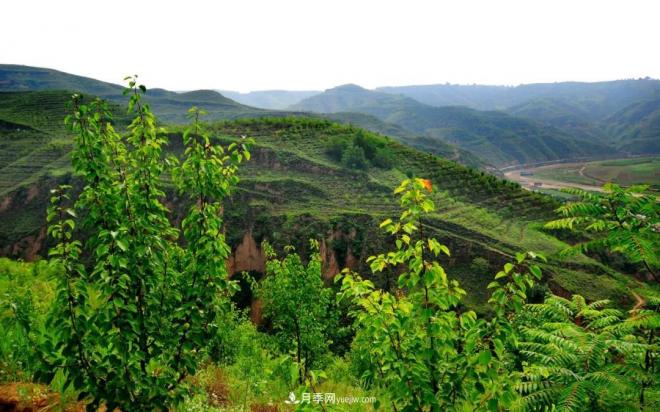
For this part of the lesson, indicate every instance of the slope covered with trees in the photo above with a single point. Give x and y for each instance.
(636, 128)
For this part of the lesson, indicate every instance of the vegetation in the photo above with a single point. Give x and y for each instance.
(292, 180)
(361, 151)
(625, 221)
(26, 293)
(129, 326)
(426, 354)
(297, 305)
(133, 310)
(635, 127)
(416, 347)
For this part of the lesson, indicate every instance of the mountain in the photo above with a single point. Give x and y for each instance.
(27, 78)
(633, 130)
(292, 190)
(497, 137)
(169, 106)
(563, 115)
(597, 99)
(269, 99)
(479, 97)
(636, 128)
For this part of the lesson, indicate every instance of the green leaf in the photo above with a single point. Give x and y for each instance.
(484, 357)
(121, 244)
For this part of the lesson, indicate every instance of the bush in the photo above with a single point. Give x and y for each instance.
(27, 290)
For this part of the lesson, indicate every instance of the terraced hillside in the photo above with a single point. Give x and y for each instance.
(33, 138)
(293, 190)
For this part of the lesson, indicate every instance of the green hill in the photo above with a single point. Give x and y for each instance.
(169, 106)
(292, 189)
(636, 128)
(563, 115)
(33, 139)
(496, 137)
(426, 144)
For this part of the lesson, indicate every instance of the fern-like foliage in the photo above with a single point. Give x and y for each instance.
(582, 356)
(623, 220)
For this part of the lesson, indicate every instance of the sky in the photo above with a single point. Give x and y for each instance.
(317, 44)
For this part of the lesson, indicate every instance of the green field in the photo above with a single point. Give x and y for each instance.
(625, 172)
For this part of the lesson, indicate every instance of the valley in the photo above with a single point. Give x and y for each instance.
(590, 175)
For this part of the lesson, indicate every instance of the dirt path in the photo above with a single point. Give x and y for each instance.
(581, 171)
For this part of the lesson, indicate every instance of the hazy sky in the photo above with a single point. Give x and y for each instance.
(313, 44)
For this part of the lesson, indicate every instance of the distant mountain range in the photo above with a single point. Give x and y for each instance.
(597, 99)
(171, 106)
(475, 125)
(497, 137)
(269, 99)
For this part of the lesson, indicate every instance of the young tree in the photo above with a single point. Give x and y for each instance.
(297, 303)
(134, 309)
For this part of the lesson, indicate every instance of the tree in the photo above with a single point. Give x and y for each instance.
(297, 303)
(336, 146)
(134, 309)
(353, 158)
(623, 220)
